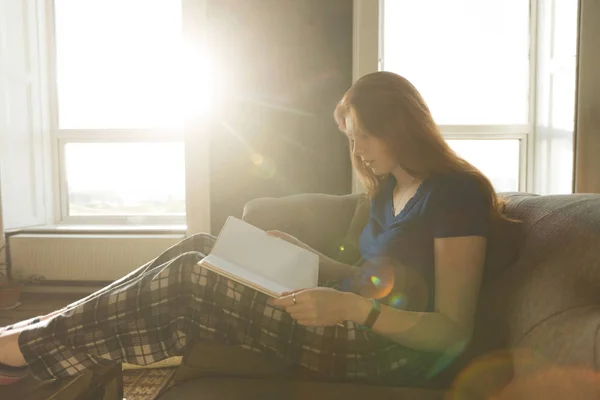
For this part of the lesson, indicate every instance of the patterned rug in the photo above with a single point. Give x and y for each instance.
(146, 384)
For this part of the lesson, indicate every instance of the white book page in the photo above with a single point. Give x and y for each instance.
(248, 248)
(244, 276)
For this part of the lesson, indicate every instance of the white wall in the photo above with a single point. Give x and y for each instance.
(22, 153)
(365, 56)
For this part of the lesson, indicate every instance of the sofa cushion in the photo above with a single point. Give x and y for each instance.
(267, 389)
(210, 359)
(104, 382)
(320, 220)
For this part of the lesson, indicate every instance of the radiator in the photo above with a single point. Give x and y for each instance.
(93, 257)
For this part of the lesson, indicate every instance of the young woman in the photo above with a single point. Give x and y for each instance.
(398, 321)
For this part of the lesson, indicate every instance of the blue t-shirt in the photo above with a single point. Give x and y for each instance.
(398, 254)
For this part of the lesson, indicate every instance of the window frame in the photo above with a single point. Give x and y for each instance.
(69, 136)
(368, 44)
(197, 216)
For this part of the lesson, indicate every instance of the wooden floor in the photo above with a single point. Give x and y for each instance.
(33, 305)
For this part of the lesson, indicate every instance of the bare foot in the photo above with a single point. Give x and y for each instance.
(10, 352)
(28, 322)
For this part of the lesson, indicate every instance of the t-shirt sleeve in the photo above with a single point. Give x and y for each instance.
(460, 208)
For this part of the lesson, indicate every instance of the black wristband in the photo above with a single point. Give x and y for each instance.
(373, 314)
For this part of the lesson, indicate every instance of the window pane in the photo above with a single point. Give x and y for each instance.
(563, 65)
(117, 63)
(468, 58)
(565, 19)
(562, 104)
(556, 97)
(125, 178)
(498, 159)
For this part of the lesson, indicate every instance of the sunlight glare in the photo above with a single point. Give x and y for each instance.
(142, 73)
(198, 83)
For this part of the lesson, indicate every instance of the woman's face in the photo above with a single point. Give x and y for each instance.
(370, 149)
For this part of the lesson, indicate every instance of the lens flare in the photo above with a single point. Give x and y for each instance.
(263, 167)
(447, 358)
(397, 300)
(344, 250)
(257, 159)
(553, 383)
(481, 375)
(390, 282)
(376, 281)
(394, 285)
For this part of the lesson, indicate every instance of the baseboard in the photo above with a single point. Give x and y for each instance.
(59, 290)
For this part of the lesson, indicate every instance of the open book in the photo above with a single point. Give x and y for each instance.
(268, 264)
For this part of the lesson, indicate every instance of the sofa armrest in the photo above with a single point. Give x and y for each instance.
(557, 359)
(569, 338)
(322, 221)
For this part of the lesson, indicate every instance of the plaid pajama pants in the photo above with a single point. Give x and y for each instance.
(156, 311)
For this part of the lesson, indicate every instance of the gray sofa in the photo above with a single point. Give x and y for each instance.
(537, 326)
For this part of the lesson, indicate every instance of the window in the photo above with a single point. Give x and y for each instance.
(470, 61)
(498, 159)
(481, 66)
(556, 88)
(468, 58)
(117, 67)
(103, 181)
(119, 110)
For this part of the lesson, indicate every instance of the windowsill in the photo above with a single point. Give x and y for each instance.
(100, 229)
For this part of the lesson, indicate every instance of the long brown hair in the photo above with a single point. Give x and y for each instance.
(389, 107)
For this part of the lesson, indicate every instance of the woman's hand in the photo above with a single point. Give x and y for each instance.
(329, 269)
(288, 238)
(315, 307)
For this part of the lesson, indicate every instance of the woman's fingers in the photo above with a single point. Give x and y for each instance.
(283, 301)
(286, 236)
(287, 298)
(281, 235)
(291, 291)
(288, 303)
